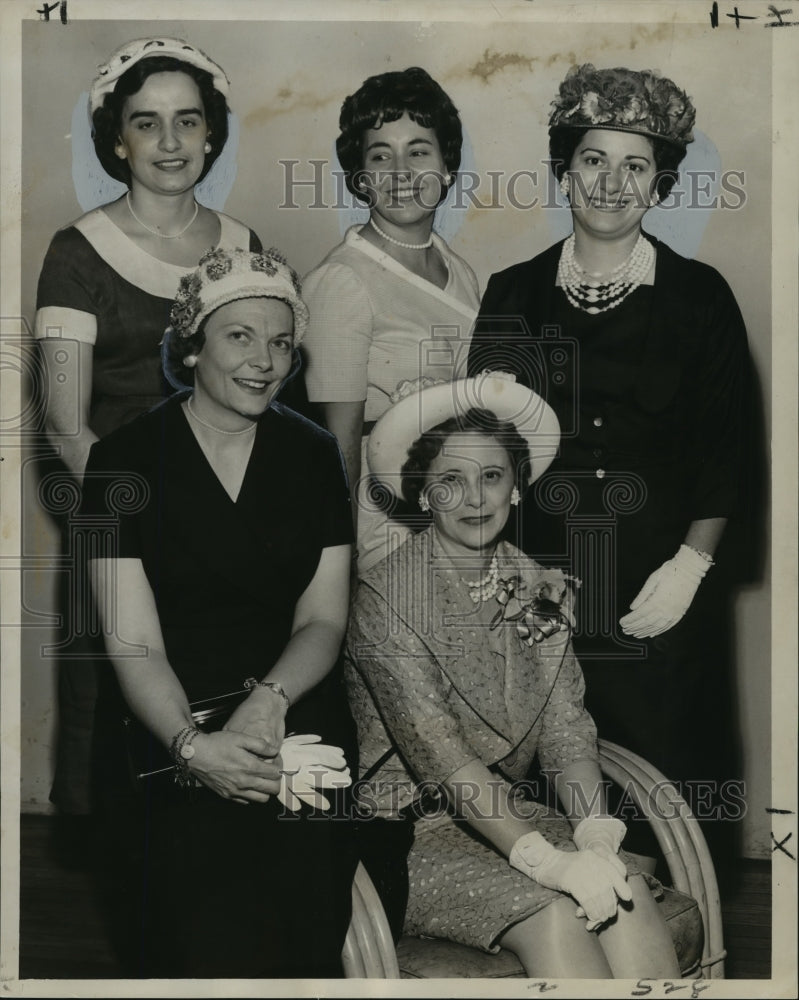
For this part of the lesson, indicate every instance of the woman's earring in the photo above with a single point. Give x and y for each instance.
(515, 496)
(654, 200)
(190, 360)
(120, 151)
(565, 185)
(448, 179)
(207, 147)
(424, 503)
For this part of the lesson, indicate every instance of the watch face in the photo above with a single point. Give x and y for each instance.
(187, 752)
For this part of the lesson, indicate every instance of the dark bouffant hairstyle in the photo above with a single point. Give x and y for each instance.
(668, 156)
(474, 421)
(107, 120)
(387, 97)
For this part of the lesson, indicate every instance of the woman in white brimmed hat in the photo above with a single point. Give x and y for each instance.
(229, 575)
(460, 670)
(160, 119)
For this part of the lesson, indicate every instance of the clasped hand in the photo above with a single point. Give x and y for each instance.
(595, 882)
(237, 766)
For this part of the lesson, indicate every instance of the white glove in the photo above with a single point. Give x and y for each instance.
(592, 881)
(309, 764)
(666, 595)
(602, 835)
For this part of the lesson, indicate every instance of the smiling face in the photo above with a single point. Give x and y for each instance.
(246, 355)
(611, 180)
(469, 485)
(163, 133)
(403, 171)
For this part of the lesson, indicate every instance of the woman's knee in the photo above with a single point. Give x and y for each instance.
(554, 942)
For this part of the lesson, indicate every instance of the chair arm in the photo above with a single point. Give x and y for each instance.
(680, 838)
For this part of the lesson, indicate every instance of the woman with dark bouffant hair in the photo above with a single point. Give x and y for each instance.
(650, 387)
(380, 297)
(159, 113)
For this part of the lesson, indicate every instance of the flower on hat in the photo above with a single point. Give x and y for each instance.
(632, 100)
(187, 303)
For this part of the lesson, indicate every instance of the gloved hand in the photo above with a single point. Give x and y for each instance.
(602, 835)
(592, 881)
(666, 595)
(309, 764)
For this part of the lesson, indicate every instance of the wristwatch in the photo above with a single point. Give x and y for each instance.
(252, 683)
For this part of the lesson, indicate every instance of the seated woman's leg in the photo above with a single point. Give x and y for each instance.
(555, 944)
(638, 942)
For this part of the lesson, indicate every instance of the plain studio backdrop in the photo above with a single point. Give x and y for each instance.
(288, 79)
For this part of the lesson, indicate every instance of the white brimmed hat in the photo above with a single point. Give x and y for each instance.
(418, 412)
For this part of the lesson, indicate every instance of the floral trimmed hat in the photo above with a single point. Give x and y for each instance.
(223, 276)
(126, 55)
(624, 100)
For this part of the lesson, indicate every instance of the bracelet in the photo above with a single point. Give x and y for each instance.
(251, 683)
(704, 555)
(181, 751)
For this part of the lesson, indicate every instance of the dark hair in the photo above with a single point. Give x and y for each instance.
(474, 421)
(174, 349)
(386, 98)
(668, 156)
(107, 120)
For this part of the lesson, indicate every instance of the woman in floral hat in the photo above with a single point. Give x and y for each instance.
(460, 670)
(224, 594)
(648, 379)
(160, 120)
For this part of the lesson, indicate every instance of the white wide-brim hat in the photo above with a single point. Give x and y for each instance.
(418, 412)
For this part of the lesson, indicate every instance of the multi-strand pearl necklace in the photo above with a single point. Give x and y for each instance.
(586, 292)
(485, 589)
(399, 243)
(154, 232)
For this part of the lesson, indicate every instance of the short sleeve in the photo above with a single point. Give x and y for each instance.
(336, 507)
(112, 499)
(409, 689)
(69, 293)
(339, 335)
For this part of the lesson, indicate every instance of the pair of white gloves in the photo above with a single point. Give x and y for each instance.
(666, 595)
(594, 874)
(308, 765)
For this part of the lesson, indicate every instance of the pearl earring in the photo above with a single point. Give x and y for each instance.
(565, 185)
(654, 200)
(190, 360)
(448, 179)
(207, 147)
(515, 496)
(424, 503)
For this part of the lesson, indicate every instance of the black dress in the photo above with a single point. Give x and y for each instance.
(214, 888)
(650, 397)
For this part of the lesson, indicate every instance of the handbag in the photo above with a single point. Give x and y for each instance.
(146, 755)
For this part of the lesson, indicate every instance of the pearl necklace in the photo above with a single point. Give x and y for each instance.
(399, 243)
(485, 589)
(154, 232)
(246, 430)
(584, 291)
